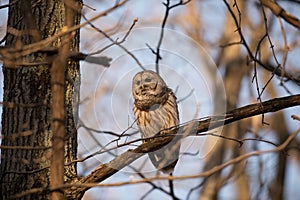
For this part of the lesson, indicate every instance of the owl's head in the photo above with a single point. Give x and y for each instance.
(148, 84)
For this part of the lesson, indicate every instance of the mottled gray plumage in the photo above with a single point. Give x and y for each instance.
(155, 109)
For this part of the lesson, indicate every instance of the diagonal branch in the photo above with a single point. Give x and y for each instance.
(207, 173)
(106, 170)
(279, 148)
(280, 12)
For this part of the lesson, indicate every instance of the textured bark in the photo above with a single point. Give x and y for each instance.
(27, 122)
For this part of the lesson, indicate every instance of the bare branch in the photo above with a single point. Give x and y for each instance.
(106, 170)
(8, 5)
(50, 54)
(168, 9)
(10, 52)
(280, 12)
(82, 186)
(115, 42)
(276, 70)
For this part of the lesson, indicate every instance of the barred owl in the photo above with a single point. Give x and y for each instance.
(155, 110)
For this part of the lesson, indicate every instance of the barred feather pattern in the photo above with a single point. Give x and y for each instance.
(155, 110)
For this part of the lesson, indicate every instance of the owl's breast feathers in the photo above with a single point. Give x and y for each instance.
(152, 102)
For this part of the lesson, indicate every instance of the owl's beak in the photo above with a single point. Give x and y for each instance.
(143, 86)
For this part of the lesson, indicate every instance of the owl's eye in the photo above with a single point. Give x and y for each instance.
(137, 82)
(148, 80)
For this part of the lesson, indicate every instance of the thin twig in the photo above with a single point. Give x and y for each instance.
(276, 70)
(37, 46)
(162, 30)
(116, 42)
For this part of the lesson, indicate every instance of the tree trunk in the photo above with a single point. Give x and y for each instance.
(26, 118)
(235, 70)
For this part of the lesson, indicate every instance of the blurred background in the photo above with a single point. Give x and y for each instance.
(211, 72)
